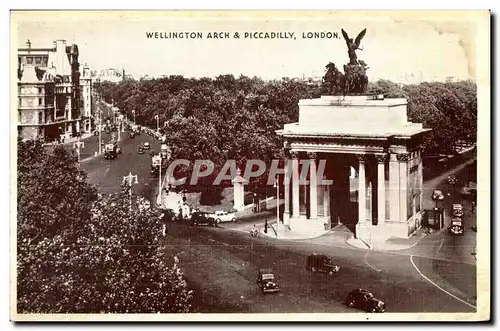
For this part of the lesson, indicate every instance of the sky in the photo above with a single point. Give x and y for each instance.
(395, 46)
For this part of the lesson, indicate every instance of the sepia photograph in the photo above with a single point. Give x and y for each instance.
(250, 165)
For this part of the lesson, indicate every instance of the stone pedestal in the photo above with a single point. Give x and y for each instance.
(368, 133)
(239, 191)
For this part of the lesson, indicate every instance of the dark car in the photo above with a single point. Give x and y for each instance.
(266, 281)
(321, 263)
(364, 300)
(202, 219)
(456, 228)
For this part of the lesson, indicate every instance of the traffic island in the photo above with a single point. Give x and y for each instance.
(284, 232)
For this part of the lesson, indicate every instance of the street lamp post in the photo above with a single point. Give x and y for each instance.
(133, 112)
(129, 179)
(77, 145)
(159, 180)
(277, 185)
(100, 129)
(157, 123)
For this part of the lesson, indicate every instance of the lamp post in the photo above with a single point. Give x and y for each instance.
(100, 129)
(133, 112)
(159, 179)
(157, 122)
(277, 185)
(77, 145)
(129, 179)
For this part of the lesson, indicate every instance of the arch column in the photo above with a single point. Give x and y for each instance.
(403, 186)
(381, 158)
(313, 186)
(295, 184)
(361, 189)
(394, 188)
(286, 184)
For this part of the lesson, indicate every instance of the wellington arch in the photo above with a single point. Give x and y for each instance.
(371, 135)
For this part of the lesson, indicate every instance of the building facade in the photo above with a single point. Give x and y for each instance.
(369, 137)
(48, 91)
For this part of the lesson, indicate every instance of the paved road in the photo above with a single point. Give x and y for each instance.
(441, 260)
(222, 266)
(108, 174)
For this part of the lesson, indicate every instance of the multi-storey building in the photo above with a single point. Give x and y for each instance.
(86, 89)
(48, 91)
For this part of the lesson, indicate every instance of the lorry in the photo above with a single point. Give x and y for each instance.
(164, 151)
(156, 163)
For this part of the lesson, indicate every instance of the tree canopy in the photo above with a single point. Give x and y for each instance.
(236, 118)
(79, 252)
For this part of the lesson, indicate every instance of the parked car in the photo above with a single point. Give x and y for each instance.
(456, 227)
(223, 216)
(266, 281)
(140, 150)
(146, 145)
(364, 300)
(437, 195)
(457, 210)
(321, 263)
(202, 219)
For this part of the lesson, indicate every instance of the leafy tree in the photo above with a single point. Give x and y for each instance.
(103, 258)
(236, 118)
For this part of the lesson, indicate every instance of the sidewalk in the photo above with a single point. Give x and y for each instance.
(70, 141)
(391, 244)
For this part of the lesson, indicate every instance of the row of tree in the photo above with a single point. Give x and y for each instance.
(80, 252)
(236, 118)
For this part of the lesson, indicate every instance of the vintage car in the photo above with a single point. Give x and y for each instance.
(364, 300)
(457, 210)
(146, 145)
(456, 227)
(452, 180)
(437, 195)
(321, 263)
(136, 129)
(202, 219)
(223, 216)
(140, 150)
(266, 281)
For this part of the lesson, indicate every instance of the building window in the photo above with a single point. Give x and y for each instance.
(40, 90)
(38, 60)
(40, 101)
(40, 117)
(29, 60)
(19, 117)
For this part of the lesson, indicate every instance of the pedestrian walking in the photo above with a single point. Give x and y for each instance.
(265, 226)
(473, 206)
